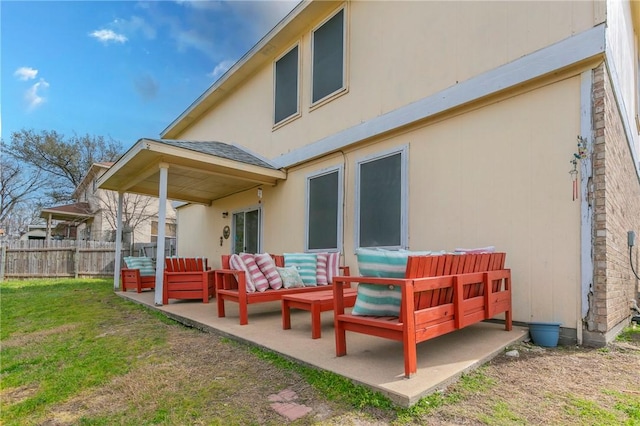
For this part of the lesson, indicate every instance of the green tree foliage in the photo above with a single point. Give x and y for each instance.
(62, 162)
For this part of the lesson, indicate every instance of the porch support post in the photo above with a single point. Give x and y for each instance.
(48, 236)
(162, 219)
(118, 255)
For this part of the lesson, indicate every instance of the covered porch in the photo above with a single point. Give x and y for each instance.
(198, 172)
(370, 361)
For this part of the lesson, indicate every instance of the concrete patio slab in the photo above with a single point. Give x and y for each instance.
(370, 361)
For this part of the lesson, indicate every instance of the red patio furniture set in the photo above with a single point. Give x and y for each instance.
(405, 296)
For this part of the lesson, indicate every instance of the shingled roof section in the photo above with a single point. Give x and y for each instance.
(218, 149)
(74, 209)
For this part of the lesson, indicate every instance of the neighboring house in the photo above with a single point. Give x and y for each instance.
(424, 126)
(35, 232)
(93, 216)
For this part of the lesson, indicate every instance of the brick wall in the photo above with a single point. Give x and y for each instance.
(616, 196)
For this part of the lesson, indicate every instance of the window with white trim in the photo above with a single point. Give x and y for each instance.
(286, 86)
(324, 210)
(381, 200)
(328, 57)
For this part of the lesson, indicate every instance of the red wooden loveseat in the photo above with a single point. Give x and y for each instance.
(231, 286)
(439, 294)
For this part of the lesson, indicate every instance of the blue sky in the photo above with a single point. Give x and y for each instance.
(120, 69)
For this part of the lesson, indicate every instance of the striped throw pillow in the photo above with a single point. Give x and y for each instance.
(306, 265)
(328, 266)
(377, 300)
(235, 262)
(259, 280)
(321, 268)
(268, 267)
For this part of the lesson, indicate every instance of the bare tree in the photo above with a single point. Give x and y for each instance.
(19, 188)
(61, 162)
(136, 209)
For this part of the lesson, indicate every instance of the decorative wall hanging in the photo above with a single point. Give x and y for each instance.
(580, 155)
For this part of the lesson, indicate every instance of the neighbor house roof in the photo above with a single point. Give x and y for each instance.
(69, 212)
(93, 170)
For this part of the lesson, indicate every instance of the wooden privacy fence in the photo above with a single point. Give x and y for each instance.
(57, 259)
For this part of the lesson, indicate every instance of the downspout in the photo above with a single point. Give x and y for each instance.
(586, 208)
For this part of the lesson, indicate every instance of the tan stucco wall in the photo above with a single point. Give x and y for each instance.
(497, 175)
(382, 63)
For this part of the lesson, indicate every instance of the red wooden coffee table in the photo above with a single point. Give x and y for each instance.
(315, 302)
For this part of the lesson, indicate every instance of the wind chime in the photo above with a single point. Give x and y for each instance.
(580, 155)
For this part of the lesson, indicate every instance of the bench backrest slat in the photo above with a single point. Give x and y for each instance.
(451, 264)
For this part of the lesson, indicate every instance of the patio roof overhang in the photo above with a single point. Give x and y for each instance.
(198, 171)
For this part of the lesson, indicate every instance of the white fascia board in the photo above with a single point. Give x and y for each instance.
(565, 53)
(126, 157)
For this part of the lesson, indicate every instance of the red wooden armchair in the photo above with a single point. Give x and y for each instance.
(187, 278)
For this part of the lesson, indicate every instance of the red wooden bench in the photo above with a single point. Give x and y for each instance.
(230, 288)
(440, 294)
(187, 278)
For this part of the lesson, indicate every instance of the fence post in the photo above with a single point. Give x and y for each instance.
(3, 260)
(76, 260)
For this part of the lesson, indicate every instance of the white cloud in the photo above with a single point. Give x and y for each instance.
(107, 36)
(34, 97)
(25, 73)
(135, 25)
(221, 68)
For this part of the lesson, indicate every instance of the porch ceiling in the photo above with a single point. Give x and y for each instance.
(198, 171)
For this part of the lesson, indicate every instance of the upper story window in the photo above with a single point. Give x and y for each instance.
(381, 200)
(286, 86)
(328, 61)
(324, 210)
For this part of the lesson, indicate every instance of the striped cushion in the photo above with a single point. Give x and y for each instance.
(306, 265)
(328, 266)
(268, 267)
(144, 264)
(259, 280)
(235, 262)
(479, 250)
(377, 300)
(321, 269)
(333, 266)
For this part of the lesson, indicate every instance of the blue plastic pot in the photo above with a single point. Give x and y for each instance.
(545, 333)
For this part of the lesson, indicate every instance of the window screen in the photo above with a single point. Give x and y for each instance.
(286, 103)
(323, 212)
(328, 57)
(381, 202)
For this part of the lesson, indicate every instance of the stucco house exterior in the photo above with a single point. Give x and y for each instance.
(93, 215)
(424, 126)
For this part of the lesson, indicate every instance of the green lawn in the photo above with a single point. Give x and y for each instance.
(60, 337)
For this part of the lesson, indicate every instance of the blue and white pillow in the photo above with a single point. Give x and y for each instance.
(378, 300)
(144, 264)
(306, 264)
